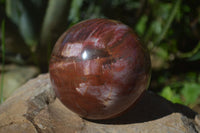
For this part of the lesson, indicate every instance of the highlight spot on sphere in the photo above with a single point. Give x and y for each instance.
(84, 55)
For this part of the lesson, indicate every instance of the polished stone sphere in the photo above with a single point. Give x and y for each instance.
(99, 68)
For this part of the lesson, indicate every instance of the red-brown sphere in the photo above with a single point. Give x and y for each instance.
(99, 68)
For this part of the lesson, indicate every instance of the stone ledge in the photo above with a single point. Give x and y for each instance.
(34, 108)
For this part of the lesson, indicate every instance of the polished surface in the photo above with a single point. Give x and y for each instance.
(99, 68)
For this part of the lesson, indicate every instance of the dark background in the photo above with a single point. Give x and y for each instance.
(170, 30)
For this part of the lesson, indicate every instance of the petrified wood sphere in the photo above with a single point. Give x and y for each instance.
(99, 68)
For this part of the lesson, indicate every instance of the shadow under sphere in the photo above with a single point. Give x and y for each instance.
(149, 107)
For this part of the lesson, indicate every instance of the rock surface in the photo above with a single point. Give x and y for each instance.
(15, 76)
(34, 108)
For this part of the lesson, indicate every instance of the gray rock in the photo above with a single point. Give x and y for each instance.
(35, 109)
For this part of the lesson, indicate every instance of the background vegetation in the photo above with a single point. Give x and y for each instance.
(169, 28)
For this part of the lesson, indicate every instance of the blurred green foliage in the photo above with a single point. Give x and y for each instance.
(23, 14)
(185, 91)
(3, 59)
(187, 94)
(190, 92)
(171, 95)
(170, 29)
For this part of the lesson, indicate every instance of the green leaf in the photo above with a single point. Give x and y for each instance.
(157, 27)
(74, 15)
(163, 53)
(141, 25)
(170, 95)
(25, 14)
(195, 57)
(190, 92)
(3, 59)
(13, 10)
(27, 29)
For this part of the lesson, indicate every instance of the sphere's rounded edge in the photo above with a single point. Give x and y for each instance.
(56, 68)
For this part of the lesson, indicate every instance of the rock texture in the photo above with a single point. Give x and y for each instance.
(15, 76)
(35, 109)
